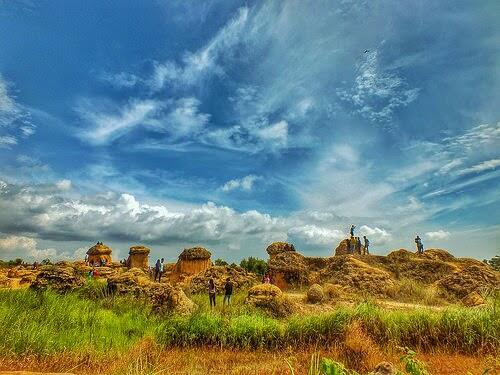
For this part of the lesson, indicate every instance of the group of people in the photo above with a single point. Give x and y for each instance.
(212, 292)
(354, 243)
(158, 270)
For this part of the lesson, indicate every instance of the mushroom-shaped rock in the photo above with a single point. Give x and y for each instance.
(315, 294)
(138, 257)
(99, 253)
(269, 298)
(289, 268)
(279, 247)
(192, 261)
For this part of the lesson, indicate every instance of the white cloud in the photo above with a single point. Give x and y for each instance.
(105, 126)
(438, 235)
(121, 80)
(14, 118)
(27, 247)
(7, 140)
(185, 119)
(315, 235)
(378, 92)
(377, 236)
(63, 184)
(275, 135)
(246, 183)
(203, 62)
(481, 167)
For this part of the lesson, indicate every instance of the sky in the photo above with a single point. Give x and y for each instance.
(232, 124)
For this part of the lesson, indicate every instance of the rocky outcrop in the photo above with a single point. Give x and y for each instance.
(474, 277)
(138, 257)
(62, 277)
(239, 277)
(270, 298)
(384, 368)
(163, 297)
(279, 247)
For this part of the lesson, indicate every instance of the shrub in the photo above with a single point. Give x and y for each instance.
(255, 265)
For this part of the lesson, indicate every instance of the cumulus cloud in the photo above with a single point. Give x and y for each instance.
(246, 183)
(377, 236)
(438, 235)
(28, 247)
(316, 235)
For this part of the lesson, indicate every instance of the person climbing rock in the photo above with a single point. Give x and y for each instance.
(211, 292)
(367, 244)
(228, 292)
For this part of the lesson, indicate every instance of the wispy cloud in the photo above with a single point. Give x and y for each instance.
(15, 120)
(377, 91)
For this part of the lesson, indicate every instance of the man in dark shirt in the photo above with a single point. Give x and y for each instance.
(228, 291)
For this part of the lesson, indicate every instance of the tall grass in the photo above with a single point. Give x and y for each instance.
(48, 323)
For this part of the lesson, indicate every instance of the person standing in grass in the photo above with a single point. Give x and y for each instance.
(211, 292)
(228, 292)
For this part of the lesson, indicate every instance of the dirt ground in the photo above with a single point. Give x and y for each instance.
(197, 361)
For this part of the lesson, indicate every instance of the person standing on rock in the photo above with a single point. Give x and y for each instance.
(211, 292)
(420, 246)
(358, 245)
(367, 244)
(351, 231)
(161, 269)
(228, 292)
(157, 270)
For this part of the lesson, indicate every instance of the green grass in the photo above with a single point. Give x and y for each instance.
(92, 321)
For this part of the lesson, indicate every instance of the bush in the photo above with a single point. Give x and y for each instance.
(220, 262)
(255, 265)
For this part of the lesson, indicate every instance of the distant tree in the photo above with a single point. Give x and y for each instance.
(255, 265)
(233, 265)
(46, 262)
(220, 262)
(494, 262)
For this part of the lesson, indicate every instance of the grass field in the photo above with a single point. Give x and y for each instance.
(92, 326)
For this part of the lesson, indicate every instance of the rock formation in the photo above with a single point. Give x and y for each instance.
(98, 253)
(62, 277)
(164, 297)
(269, 298)
(315, 294)
(279, 247)
(349, 246)
(191, 262)
(138, 257)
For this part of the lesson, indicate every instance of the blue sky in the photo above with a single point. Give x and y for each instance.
(235, 124)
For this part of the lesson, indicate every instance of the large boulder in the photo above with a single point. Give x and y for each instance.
(270, 298)
(164, 297)
(384, 368)
(315, 294)
(357, 275)
(289, 268)
(61, 277)
(239, 277)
